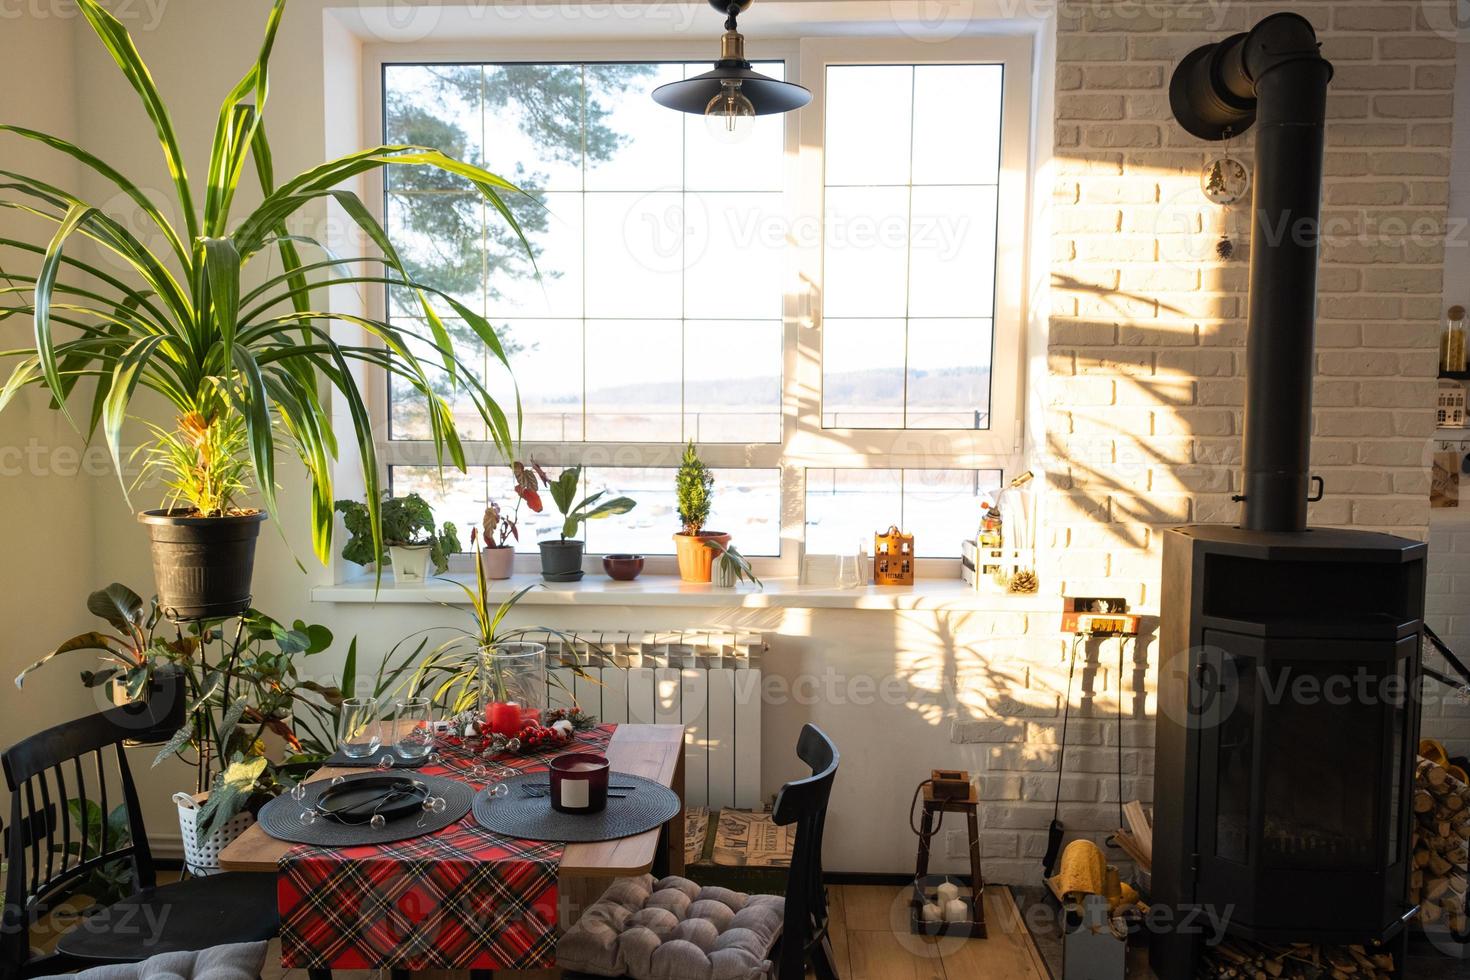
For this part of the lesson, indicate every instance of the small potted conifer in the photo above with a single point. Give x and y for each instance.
(694, 489)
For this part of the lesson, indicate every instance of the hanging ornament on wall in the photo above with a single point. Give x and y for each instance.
(1225, 181)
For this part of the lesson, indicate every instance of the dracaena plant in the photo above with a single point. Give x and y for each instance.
(240, 366)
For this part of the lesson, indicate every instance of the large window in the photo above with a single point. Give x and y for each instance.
(777, 311)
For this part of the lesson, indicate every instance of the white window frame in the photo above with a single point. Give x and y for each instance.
(804, 444)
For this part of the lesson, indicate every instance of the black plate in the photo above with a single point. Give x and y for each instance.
(354, 801)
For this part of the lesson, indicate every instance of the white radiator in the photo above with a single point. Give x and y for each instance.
(707, 680)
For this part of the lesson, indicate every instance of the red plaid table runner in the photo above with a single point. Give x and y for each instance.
(462, 898)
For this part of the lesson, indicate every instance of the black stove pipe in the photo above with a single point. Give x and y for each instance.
(1275, 78)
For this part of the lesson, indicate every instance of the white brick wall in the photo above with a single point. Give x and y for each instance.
(1144, 407)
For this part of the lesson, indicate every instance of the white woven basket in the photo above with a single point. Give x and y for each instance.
(202, 857)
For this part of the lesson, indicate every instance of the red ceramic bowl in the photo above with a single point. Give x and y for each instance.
(622, 568)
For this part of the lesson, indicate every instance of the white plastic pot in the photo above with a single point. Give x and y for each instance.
(202, 857)
(410, 563)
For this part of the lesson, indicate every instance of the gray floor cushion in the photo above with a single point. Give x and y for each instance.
(238, 961)
(674, 929)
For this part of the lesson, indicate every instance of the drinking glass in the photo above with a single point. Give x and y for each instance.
(357, 731)
(415, 730)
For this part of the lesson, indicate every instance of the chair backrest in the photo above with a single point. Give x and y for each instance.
(804, 802)
(46, 842)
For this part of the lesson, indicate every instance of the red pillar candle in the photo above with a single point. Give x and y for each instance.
(503, 717)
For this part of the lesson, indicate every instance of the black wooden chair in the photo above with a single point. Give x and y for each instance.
(802, 802)
(84, 760)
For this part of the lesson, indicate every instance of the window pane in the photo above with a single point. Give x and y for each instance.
(746, 506)
(532, 118)
(440, 239)
(410, 418)
(940, 508)
(865, 258)
(634, 386)
(862, 374)
(640, 145)
(733, 255)
(546, 358)
(957, 124)
(869, 109)
(949, 374)
(844, 508)
(732, 370)
(433, 105)
(554, 228)
(635, 254)
(456, 497)
(915, 247)
(952, 252)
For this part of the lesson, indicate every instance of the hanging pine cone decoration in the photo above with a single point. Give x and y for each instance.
(1225, 248)
(1023, 582)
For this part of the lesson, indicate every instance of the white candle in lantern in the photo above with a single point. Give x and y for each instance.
(956, 911)
(931, 912)
(947, 892)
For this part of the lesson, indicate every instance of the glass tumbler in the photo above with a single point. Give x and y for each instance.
(358, 735)
(415, 730)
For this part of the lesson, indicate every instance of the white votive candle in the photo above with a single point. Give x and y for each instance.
(947, 892)
(931, 912)
(956, 911)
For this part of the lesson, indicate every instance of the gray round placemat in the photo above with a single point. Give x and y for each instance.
(517, 814)
(281, 817)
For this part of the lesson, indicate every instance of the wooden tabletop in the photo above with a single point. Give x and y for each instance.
(654, 751)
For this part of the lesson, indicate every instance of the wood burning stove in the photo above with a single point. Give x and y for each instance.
(1289, 668)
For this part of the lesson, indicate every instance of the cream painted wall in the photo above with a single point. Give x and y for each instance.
(46, 496)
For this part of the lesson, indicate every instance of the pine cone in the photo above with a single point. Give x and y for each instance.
(1023, 582)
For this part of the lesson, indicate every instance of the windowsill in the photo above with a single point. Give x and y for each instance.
(667, 590)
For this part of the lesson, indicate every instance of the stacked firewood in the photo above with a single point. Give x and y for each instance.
(1137, 839)
(1441, 833)
(1240, 958)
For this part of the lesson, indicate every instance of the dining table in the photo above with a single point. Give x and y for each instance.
(583, 872)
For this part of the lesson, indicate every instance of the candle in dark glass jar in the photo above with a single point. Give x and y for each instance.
(579, 783)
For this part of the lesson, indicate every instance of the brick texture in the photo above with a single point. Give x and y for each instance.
(1146, 352)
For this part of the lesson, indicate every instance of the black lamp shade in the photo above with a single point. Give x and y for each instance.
(766, 94)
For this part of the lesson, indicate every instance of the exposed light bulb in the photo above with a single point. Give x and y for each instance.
(729, 117)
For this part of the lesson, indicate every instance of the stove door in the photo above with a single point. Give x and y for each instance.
(1302, 775)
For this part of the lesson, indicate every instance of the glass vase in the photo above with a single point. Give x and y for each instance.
(512, 686)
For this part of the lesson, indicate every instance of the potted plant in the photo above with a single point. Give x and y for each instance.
(693, 488)
(238, 683)
(130, 656)
(487, 676)
(730, 567)
(561, 560)
(408, 531)
(500, 529)
(242, 368)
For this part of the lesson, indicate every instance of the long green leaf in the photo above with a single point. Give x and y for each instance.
(222, 273)
(236, 130)
(255, 407)
(125, 377)
(100, 166)
(120, 45)
(44, 281)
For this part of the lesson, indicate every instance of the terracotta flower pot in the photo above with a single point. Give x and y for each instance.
(499, 562)
(695, 557)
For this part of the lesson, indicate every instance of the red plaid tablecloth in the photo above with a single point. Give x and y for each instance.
(462, 898)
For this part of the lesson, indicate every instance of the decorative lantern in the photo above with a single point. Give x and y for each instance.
(893, 557)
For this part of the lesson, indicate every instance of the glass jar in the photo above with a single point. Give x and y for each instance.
(512, 686)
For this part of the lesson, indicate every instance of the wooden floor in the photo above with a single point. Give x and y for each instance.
(871, 939)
